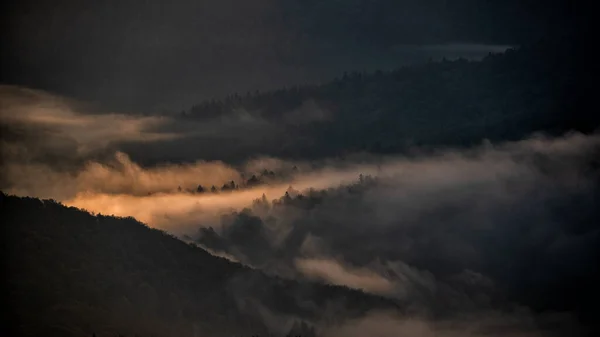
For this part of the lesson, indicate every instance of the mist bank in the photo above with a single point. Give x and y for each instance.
(115, 184)
(453, 173)
(489, 231)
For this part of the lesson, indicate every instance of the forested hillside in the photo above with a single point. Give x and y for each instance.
(70, 273)
(538, 87)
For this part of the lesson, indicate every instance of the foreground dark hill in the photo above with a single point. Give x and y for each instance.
(70, 273)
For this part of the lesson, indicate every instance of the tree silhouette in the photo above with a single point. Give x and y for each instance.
(253, 181)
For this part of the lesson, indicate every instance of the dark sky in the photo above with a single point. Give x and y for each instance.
(148, 55)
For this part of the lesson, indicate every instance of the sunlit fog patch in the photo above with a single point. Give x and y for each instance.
(155, 196)
(168, 195)
(116, 175)
(171, 211)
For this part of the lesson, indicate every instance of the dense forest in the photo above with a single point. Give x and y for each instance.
(506, 96)
(71, 273)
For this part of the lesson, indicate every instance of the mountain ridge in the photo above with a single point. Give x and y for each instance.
(75, 273)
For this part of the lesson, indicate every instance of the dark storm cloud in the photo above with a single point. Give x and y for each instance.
(132, 55)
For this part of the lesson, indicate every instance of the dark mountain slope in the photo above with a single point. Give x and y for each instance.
(71, 273)
(546, 86)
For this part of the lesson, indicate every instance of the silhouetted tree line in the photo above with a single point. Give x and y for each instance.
(309, 199)
(254, 180)
(245, 232)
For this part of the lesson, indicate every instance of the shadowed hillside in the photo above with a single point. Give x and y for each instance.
(544, 86)
(74, 274)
